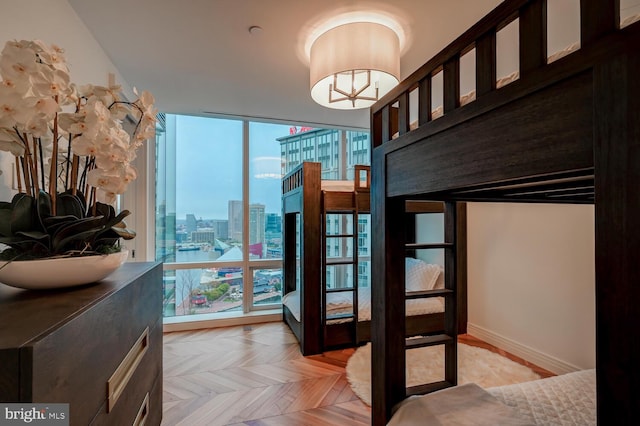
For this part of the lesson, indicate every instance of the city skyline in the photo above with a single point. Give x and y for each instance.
(209, 173)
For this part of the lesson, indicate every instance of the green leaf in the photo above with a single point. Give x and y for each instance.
(76, 241)
(54, 223)
(54, 220)
(88, 228)
(119, 219)
(31, 247)
(34, 235)
(23, 213)
(105, 210)
(106, 242)
(126, 233)
(69, 204)
(43, 207)
(81, 198)
(5, 222)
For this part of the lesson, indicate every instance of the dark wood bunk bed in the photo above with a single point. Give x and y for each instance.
(306, 202)
(564, 132)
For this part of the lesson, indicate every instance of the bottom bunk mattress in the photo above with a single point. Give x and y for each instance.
(568, 399)
(419, 276)
(342, 303)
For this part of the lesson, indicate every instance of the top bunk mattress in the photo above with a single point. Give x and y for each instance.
(337, 185)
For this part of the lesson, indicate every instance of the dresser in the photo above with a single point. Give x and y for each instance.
(96, 347)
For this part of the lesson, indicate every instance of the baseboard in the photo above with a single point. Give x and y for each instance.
(196, 322)
(527, 353)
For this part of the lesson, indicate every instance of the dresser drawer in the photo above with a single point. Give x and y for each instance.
(141, 399)
(73, 363)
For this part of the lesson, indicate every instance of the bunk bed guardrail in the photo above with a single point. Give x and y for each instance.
(578, 154)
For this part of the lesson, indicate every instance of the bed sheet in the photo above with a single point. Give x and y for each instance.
(337, 185)
(340, 303)
(567, 399)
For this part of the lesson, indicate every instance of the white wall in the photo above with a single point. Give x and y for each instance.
(54, 22)
(430, 229)
(531, 281)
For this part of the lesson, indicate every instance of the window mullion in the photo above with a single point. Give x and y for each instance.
(247, 275)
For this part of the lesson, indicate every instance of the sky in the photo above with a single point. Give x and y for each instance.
(209, 165)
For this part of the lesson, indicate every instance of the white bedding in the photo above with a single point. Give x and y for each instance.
(629, 20)
(339, 303)
(568, 399)
(337, 185)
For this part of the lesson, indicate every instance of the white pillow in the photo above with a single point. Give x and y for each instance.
(439, 284)
(420, 276)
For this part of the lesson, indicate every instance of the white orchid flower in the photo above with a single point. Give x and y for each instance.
(19, 86)
(37, 126)
(112, 156)
(97, 112)
(45, 106)
(66, 120)
(120, 110)
(105, 196)
(51, 83)
(18, 61)
(83, 145)
(11, 107)
(10, 142)
(107, 95)
(54, 58)
(85, 90)
(35, 88)
(110, 182)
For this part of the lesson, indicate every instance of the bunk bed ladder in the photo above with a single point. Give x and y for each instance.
(344, 260)
(448, 337)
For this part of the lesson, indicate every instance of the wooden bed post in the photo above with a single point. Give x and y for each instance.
(461, 266)
(311, 334)
(387, 297)
(617, 236)
(289, 252)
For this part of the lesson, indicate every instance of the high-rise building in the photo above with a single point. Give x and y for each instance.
(221, 228)
(192, 223)
(203, 236)
(235, 220)
(256, 223)
(273, 223)
(336, 150)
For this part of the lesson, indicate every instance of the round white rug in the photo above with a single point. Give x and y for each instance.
(425, 365)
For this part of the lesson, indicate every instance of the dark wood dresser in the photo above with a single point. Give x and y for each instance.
(96, 347)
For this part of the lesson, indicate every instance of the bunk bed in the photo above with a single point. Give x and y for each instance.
(566, 131)
(326, 316)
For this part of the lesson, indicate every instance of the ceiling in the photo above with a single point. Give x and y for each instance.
(198, 56)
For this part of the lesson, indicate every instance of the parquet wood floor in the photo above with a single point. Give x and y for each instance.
(255, 376)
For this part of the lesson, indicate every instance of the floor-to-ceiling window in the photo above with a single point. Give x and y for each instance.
(218, 207)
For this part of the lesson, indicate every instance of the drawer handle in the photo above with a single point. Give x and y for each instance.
(119, 379)
(141, 417)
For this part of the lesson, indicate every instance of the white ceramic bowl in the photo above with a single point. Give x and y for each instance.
(60, 273)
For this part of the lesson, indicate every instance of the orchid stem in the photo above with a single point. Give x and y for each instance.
(53, 175)
(18, 174)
